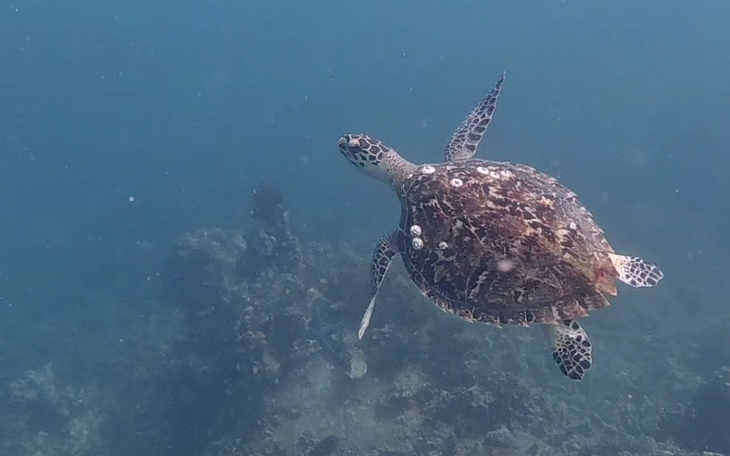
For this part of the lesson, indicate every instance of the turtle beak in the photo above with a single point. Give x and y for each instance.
(346, 144)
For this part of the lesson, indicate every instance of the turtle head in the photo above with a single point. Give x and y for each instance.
(372, 157)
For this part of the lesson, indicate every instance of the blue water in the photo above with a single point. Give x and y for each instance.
(125, 125)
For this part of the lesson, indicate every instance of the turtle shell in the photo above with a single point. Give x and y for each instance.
(502, 243)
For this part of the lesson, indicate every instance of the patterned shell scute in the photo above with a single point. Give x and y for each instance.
(503, 243)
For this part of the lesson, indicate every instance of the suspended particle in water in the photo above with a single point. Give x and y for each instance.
(505, 265)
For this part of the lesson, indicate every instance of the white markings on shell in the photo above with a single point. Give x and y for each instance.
(416, 230)
(487, 171)
(428, 169)
(456, 182)
(573, 226)
(417, 243)
(443, 245)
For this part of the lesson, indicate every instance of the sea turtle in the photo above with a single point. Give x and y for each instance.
(496, 242)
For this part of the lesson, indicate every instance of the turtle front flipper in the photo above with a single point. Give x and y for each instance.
(466, 138)
(382, 258)
(636, 272)
(571, 348)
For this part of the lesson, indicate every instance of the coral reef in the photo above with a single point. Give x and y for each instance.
(703, 424)
(250, 317)
(266, 361)
(47, 419)
(271, 326)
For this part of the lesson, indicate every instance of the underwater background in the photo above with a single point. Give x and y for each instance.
(185, 253)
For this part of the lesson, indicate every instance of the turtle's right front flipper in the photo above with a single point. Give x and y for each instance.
(382, 258)
(465, 141)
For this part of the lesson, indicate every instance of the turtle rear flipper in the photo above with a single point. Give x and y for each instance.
(572, 349)
(636, 272)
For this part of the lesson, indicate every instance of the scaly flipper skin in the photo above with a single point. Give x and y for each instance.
(572, 349)
(466, 138)
(383, 256)
(636, 272)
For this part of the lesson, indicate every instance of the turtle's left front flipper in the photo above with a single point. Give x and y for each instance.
(383, 256)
